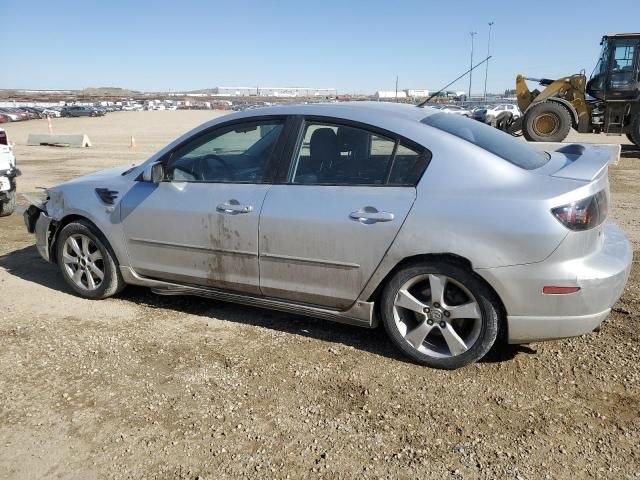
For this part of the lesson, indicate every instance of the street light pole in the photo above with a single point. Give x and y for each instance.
(486, 67)
(473, 34)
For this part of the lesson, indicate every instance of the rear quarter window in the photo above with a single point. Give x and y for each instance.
(488, 138)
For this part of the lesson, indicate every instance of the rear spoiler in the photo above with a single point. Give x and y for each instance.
(583, 161)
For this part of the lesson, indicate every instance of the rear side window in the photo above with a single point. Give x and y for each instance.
(333, 154)
(495, 141)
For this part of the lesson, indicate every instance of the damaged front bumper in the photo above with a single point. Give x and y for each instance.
(37, 221)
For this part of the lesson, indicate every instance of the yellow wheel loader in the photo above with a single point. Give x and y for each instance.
(608, 103)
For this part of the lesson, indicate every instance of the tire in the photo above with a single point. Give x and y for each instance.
(634, 135)
(503, 121)
(478, 332)
(8, 206)
(546, 122)
(112, 281)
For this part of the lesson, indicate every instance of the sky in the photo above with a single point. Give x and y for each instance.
(354, 46)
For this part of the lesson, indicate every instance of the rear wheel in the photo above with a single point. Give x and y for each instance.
(440, 315)
(86, 262)
(546, 122)
(634, 135)
(8, 205)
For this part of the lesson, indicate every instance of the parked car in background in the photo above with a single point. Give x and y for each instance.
(456, 110)
(51, 112)
(491, 114)
(80, 111)
(15, 114)
(360, 213)
(13, 117)
(31, 112)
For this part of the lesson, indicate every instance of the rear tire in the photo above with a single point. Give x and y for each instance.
(440, 314)
(8, 205)
(546, 122)
(634, 135)
(86, 261)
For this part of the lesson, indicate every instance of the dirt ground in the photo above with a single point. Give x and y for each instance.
(142, 386)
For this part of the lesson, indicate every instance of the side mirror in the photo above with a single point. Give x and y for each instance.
(153, 173)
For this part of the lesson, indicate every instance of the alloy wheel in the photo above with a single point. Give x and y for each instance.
(437, 316)
(83, 262)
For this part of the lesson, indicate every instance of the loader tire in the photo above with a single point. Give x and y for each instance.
(546, 122)
(634, 135)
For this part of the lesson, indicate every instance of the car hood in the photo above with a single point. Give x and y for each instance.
(100, 176)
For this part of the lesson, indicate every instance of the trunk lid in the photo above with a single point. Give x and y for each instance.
(575, 161)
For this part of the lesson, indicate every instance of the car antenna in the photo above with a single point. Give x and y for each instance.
(422, 104)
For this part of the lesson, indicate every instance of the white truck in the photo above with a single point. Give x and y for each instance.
(8, 174)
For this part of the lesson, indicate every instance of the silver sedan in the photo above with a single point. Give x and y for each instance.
(453, 235)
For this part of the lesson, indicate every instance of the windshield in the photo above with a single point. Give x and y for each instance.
(495, 141)
(598, 74)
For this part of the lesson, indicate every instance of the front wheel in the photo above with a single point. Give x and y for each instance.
(546, 122)
(440, 315)
(86, 263)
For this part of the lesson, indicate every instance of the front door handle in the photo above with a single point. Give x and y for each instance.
(368, 215)
(233, 207)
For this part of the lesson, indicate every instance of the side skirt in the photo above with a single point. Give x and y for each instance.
(361, 314)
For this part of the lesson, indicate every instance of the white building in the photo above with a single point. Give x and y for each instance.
(274, 92)
(417, 93)
(386, 94)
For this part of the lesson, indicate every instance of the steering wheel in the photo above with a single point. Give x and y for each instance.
(212, 156)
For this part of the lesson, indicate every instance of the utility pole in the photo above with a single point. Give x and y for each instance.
(473, 34)
(486, 68)
(396, 88)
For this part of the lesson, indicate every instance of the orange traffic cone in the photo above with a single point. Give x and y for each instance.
(132, 144)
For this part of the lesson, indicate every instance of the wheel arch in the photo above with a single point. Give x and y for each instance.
(453, 259)
(66, 220)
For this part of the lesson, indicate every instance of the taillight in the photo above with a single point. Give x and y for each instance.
(3, 139)
(583, 214)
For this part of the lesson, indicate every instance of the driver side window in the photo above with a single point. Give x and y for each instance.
(237, 153)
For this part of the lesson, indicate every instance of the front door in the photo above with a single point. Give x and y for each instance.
(200, 225)
(324, 232)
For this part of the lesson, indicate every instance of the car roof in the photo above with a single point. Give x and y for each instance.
(375, 113)
(369, 109)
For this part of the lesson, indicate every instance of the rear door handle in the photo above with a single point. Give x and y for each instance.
(233, 207)
(370, 215)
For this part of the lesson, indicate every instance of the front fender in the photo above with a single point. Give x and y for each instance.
(65, 206)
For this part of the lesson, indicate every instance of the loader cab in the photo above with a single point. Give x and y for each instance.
(617, 73)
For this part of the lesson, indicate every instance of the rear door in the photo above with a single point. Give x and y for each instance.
(200, 225)
(325, 229)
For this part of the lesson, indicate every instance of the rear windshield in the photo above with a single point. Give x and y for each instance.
(495, 141)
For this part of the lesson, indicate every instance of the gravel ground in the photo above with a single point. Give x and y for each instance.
(142, 386)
